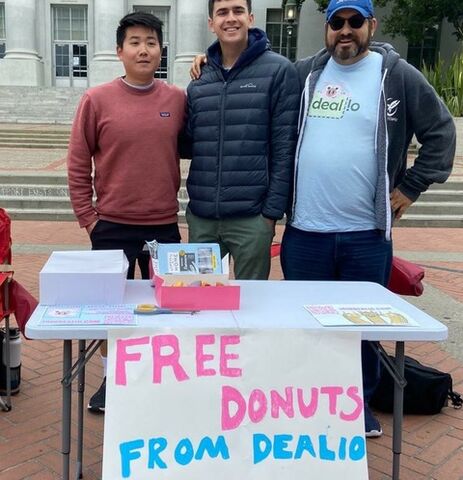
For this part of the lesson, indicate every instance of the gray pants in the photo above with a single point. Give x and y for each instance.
(247, 239)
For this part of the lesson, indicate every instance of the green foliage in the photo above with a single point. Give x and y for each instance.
(448, 83)
(411, 18)
(322, 5)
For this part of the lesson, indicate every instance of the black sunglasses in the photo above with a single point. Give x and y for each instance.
(337, 23)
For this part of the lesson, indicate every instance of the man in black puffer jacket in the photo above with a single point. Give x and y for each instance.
(242, 119)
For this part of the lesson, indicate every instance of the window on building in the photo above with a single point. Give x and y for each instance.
(283, 41)
(425, 51)
(2, 30)
(70, 44)
(163, 14)
(70, 23)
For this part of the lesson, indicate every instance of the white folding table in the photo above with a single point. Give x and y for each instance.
(264, 304)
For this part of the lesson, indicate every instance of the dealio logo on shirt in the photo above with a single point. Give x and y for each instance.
(344, 105)
(335, 107)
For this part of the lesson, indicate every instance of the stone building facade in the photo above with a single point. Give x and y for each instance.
(71, 43)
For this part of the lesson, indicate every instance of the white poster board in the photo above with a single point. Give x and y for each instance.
(230, 404)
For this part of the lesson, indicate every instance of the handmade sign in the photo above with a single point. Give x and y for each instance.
(223, 403)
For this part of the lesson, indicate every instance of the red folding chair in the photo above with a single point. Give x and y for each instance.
(14, 298)
(6, 277)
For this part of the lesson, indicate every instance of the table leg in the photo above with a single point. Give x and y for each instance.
(66, 409)
(80, 412)
(398, 411)
(70, 373)
(7, 359)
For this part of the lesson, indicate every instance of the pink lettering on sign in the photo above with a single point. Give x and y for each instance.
(202, 357)
(259, 405)
(122, 356)
(172, 359)
(231, 395)
(353, 393)
(279, 402)
(225, 370)
(307, 409)
(333, 394)
(166, 353)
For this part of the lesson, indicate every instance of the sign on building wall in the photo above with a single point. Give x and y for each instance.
(232, 404)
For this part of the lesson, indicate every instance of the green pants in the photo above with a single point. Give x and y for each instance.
(247, 239)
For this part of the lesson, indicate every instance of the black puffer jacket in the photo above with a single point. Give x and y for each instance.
(243, 126)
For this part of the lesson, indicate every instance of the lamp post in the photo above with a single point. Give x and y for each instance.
(291, 10)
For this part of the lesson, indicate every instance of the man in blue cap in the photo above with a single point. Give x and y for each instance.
(361, 105)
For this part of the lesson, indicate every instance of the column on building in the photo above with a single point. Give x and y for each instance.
(21, 65)
(191, 37)
(105, 64)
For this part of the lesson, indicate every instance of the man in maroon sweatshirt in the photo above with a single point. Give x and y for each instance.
(124, 152)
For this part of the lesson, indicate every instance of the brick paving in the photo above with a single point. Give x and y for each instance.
(30, 433)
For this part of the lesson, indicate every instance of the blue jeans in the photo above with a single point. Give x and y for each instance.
(350, 256)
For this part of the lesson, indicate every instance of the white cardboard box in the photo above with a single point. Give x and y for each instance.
(84, 278)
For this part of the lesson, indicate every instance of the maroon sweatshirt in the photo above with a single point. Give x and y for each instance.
(128, 138)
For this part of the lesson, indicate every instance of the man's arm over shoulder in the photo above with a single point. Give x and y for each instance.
(435, 131)
(82, 146)
(282, 142)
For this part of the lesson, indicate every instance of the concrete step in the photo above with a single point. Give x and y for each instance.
(40, 145)
(39, 120)
(33, 179)
(62, 141)
(66, 214)
(45, 203)
(33, 142)
(39, 105)
(58, 215)
(42, 179)
(8, 133)
(41, 191)
(444, 221)
(34, 139)
(435, 208)
(442, 195)
(34, 203)
(450, 185)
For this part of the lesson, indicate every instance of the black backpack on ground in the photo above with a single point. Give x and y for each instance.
(426, 392)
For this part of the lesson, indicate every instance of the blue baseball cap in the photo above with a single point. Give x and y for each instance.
(365, 7)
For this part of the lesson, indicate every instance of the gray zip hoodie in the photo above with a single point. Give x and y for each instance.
(408, 105)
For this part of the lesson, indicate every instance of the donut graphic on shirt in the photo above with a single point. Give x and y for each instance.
(332, 91)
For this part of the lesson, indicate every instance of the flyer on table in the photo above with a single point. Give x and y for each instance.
(360, 314)
(234, 404)
(89, 315)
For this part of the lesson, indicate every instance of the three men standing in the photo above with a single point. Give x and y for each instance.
(360, 107)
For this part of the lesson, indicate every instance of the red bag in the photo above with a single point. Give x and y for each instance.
(5, 237)
(406, 278)
(24, 304)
